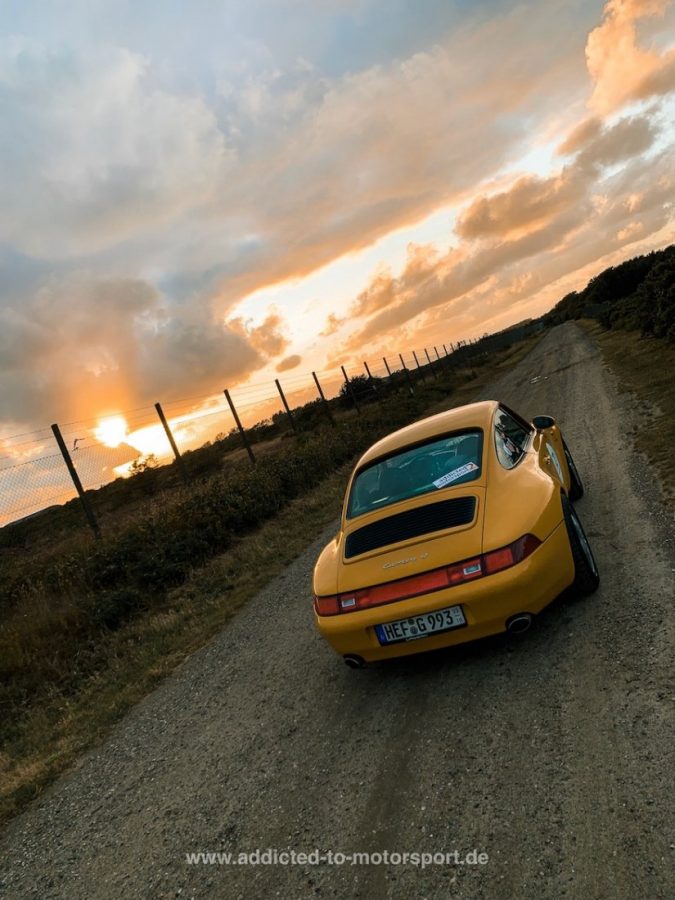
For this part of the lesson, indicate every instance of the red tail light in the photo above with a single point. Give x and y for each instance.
(428, 582)
(326, 606)
(498, 560)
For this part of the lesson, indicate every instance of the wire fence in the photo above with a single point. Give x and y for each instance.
(52, 465)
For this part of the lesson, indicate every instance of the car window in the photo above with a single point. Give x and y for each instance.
(426, 468)
(510, 439)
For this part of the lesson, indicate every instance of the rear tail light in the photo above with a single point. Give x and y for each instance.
(428, 582)
(326, 606)
(498, 560)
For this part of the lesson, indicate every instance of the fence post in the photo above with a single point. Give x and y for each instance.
(431, 365)
(88, 511)
(389, 373)
(407, 374)
(350, 391)
(372, 382)
(176, 452)
(244, 436)
(417, 363)
(286, 406)
(326, 404)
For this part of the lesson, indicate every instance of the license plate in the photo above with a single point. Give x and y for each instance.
(417, 627)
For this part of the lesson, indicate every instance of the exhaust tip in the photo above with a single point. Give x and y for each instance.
(519, 624)
(354, 662)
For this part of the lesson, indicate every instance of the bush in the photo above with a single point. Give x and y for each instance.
(638, 295)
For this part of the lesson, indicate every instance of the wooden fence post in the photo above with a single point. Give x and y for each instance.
(84, 500)
(286, 406)
(326, 404)
(176, 452)
(237, 420)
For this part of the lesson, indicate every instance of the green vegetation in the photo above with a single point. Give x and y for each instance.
(637, 295)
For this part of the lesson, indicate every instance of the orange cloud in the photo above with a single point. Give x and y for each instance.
(530, 202)
(621, 69)
(290, 362)
(82, 346)
(627, 138)
(333, 324)
(389, 144)
(267, 338)
(526, 238)
(585, 132)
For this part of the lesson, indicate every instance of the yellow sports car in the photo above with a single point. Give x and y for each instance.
(456, 527)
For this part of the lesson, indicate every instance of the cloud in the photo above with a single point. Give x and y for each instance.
(620, 68)
(627, 138)
(146, 189)
(514, 242)
(380, 148)
(332, 326)
(81, 346)
(267, 338)
(289, 362)
(581, 135)
(98, 153)
(529, 202)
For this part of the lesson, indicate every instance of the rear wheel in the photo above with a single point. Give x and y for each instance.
(576, 484)
(586, 575)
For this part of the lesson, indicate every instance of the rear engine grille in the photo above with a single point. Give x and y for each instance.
(411, 524)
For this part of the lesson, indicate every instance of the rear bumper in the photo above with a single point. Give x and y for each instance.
(487, 604)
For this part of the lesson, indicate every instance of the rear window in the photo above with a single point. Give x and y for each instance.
(425, 468)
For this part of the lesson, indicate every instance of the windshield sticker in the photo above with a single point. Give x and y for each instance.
(455, 474)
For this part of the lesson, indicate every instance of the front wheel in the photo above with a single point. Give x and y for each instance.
(576, 484)
(586, 575)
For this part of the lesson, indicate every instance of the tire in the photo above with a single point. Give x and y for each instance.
(586, 576)
(576, 484)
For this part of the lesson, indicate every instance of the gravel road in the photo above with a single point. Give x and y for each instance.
(553, 755)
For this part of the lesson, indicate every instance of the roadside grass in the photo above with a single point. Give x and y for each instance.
(88, 630)
(134, 659)
(644, 367)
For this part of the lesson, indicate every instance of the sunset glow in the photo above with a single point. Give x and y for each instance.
(294, 186)
(111, 431)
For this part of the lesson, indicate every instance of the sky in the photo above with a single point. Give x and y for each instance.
(209, 193)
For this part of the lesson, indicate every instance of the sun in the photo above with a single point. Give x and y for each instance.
(111, 431)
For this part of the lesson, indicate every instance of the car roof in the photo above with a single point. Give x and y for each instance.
(474, 415)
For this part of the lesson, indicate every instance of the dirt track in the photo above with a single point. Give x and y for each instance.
(553, 755)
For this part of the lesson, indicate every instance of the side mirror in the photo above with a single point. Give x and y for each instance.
(541, 423)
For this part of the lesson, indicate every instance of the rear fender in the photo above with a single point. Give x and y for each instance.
(551, 452)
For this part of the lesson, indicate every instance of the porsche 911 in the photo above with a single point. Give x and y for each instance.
(454, 528)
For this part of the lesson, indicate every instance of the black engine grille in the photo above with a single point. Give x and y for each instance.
(411, 524)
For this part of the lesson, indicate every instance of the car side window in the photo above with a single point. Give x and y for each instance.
(510, 439)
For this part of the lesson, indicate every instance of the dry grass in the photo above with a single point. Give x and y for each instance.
(645, 367)
(137, 656)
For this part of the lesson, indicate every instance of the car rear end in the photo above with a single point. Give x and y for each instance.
(412, 572)
(463, 601)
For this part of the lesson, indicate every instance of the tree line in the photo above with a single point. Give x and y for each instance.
(637, 295)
